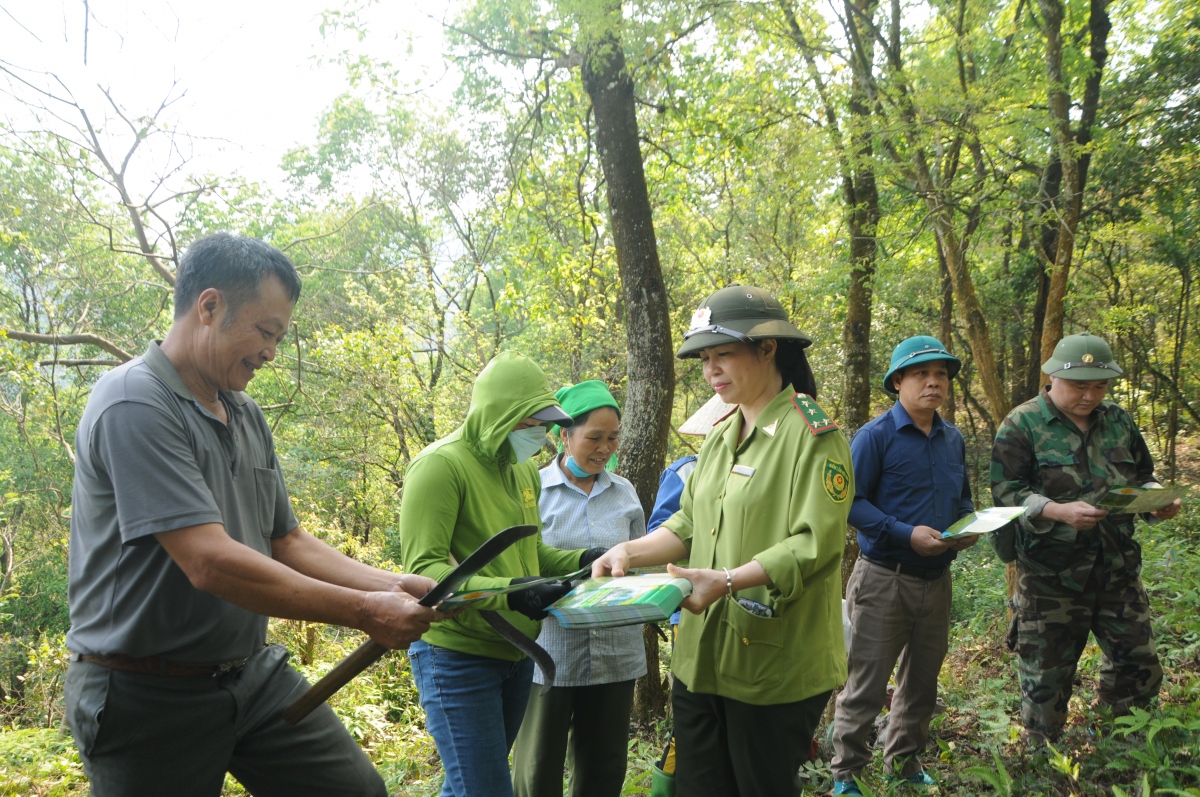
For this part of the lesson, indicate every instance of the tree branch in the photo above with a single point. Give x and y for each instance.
(72, 363)
(70, 340)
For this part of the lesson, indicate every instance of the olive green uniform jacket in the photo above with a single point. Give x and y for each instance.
(463, 489)
(781, 498)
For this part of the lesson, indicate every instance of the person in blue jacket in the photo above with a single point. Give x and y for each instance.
(670, 488)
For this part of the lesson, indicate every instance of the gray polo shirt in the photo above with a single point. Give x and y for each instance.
(149, 459)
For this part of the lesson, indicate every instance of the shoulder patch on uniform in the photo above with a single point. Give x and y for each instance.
(836, 479)
(817, 419)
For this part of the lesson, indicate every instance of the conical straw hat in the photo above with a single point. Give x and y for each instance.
(706, 417)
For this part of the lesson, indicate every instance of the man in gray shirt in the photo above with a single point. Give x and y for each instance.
(183, 542)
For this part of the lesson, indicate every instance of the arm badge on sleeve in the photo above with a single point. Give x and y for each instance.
(836, 480)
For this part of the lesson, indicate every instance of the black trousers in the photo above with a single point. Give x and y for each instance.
(585, 726)
(727, 748)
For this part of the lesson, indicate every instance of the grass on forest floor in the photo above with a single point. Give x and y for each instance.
(975, 747)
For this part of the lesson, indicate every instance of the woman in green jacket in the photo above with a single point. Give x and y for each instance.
(458, 493)
(762, 522)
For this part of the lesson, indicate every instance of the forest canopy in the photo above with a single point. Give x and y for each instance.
(995, 174)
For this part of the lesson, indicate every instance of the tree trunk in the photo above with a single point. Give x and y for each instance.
(1059, 101)
(856, 332)
(861, 197)
(1099, 26)
(1033, 374)
(646, 420)
(862, 214)
(982, 351)
(1074, 170)
(946, 332)
(940, 205)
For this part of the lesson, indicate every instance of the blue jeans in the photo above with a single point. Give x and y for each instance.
(463, 695)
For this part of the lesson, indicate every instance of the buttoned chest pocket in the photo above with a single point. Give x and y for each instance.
(1059, 474)
(1121, 465)
(266, 485)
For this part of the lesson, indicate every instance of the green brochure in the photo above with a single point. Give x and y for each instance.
(983, 521)
(1128, 500)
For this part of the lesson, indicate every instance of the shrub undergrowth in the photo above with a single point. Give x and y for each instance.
(975, 746)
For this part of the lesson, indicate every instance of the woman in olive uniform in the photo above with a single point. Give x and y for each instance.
(762, 522)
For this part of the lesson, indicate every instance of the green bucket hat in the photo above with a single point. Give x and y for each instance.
(1082, 358)
(738, 314)
(918, 349)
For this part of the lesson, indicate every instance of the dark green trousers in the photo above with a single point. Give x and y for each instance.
(585, 727)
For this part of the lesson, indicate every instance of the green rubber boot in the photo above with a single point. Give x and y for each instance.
(661, 784)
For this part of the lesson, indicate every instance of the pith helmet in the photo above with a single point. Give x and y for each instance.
(738, 313)
(1082, 358)
(918, 349)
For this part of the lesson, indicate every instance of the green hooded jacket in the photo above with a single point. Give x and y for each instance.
(463, 489)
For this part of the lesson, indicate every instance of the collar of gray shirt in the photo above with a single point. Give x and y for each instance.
(165, 370)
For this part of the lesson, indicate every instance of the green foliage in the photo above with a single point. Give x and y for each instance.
(997, 777)
(429, 237)
(43, 762)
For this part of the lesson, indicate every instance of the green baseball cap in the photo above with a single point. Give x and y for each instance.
(738, 313)
(1082, 358)
(918, 349)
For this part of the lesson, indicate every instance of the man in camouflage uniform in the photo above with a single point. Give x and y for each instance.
(1078, 567)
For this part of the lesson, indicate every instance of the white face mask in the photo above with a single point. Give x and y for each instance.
(527, 442)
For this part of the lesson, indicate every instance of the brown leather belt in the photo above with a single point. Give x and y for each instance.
(156, 665)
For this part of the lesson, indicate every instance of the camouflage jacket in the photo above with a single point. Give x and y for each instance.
(1041, 456)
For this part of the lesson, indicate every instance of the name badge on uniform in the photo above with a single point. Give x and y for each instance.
(743, 470)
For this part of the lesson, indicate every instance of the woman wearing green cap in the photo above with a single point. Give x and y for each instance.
(762, 522)
(584, 718)
(458, 493)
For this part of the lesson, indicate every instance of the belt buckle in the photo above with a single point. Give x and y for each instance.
(229, 668)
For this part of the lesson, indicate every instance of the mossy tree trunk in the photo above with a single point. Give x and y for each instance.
(646, 421)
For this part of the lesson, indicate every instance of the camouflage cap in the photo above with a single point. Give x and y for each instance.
(1082, 358)
(738, 313)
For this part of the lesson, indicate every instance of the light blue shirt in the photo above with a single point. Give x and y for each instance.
(571, 518)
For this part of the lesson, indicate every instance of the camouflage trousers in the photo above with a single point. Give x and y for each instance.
(1050, 629)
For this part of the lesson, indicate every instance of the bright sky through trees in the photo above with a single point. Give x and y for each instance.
(255, 75)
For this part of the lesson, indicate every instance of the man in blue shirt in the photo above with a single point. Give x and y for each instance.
(911, 485)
